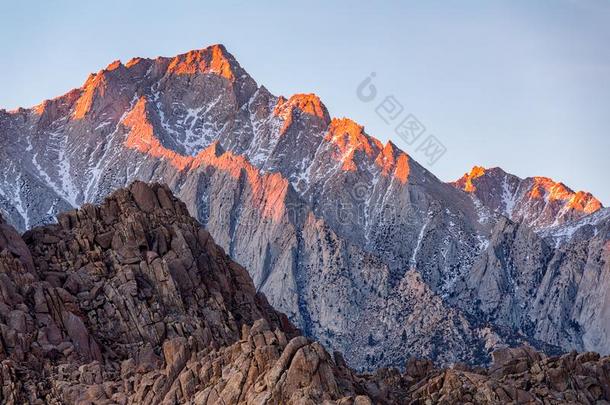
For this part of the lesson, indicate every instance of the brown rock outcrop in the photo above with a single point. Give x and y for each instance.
(133, 302)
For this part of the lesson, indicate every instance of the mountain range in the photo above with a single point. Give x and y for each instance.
(132, 302)
(360, 246)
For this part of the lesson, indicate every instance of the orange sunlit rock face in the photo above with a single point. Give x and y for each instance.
(133, 62)
(476, 172)
(52, 108)
(402, 168)
(585, 202)
(536, 193)
(580, 201)
(209, 60)
(95, 84)
(349, 138)
(387, 162)
(113, 66)
(141, 137)
(268, 191)
(306, 103)
(40, 108)
(560, 192)
(541, 188)
(270, 196)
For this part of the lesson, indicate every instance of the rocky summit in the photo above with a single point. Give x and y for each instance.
(540, 202)
(132, 302)
(360, 246)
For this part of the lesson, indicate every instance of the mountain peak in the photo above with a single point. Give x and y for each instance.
(550, 190)
(114, 65)
(541, 201)
(585, 202)
(309, 104)
(95, 84)
(392, 158)
(213, 59)
(465, 182)
(349, 137)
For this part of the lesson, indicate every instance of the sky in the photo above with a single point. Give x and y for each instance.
(523, 85)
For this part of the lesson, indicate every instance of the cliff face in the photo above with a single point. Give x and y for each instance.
(352, 239)
(553, 293)
(131, 301)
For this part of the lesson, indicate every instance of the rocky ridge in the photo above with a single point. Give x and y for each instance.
(539, 202)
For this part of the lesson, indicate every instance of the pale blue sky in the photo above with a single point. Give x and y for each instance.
(524, 85)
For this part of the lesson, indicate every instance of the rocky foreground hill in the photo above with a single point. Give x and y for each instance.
(131, 301)
(359, 245)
